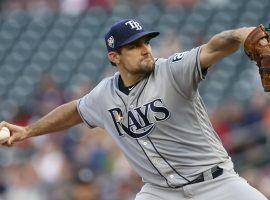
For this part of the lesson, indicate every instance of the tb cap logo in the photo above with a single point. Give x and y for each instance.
(134, 25)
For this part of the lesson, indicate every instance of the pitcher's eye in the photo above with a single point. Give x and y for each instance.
(133, 46)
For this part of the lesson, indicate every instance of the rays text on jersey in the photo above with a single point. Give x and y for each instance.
(140, 121)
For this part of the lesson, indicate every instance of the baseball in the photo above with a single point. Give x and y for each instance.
(4, 134)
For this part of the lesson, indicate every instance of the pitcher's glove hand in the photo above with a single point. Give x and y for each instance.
(257, 47)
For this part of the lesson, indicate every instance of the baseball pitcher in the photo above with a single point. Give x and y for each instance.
(153, 111)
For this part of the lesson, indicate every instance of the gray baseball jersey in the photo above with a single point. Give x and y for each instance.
(162, 125)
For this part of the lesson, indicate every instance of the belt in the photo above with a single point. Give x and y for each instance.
(212, 173)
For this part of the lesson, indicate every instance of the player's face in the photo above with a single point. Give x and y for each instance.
(137, 58)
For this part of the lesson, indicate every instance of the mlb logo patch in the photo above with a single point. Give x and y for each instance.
(111, 42)
(177, 57)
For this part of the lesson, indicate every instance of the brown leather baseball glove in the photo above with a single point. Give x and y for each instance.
(257, 47)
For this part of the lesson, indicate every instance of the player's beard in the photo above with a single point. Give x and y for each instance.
(146, 66)
(142, 68)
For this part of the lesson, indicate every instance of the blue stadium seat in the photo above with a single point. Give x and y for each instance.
(149, 15)
(123, 11)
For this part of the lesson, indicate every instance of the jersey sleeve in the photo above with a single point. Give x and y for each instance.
(186, 71)
(89, 110)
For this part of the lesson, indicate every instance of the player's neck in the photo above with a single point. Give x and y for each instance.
(131, 79)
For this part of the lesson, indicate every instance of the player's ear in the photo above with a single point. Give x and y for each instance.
(114, 57)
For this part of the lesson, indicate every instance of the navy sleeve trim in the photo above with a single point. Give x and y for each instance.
(202, 73)
(84, 120)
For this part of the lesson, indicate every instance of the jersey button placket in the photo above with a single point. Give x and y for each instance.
(171, 176)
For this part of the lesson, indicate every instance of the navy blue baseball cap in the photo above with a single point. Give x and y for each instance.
(125, 32)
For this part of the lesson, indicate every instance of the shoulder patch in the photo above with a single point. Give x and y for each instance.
(178, 56)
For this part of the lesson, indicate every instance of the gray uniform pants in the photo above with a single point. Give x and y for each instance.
(228, 186)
